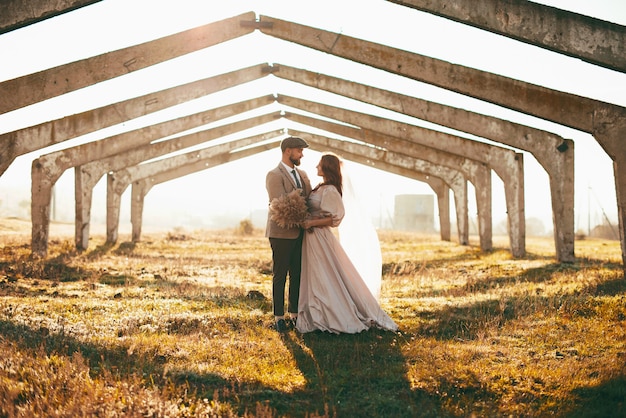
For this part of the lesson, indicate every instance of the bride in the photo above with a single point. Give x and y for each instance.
(334, 297)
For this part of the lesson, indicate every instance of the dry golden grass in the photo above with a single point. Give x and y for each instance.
(178, 325)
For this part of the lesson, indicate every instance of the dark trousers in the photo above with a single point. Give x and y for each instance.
(287, 259)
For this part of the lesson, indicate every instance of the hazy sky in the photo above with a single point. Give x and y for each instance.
(238, 187)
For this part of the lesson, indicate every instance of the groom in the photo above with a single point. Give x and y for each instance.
(286, 243)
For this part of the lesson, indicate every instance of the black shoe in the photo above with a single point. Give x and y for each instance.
(281, 325)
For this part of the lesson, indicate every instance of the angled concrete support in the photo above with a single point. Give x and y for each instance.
(554, 153)
(399, 163)
(47, 169)
(118, 181)
(142, 186)
(94, 170)
(505, 163)
(567, 109)
(610, 130)
(596, 41)
(89, 174)
(36, 87)
(16, 143)
(476, 172)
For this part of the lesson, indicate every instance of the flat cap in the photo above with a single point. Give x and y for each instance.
(293, 142)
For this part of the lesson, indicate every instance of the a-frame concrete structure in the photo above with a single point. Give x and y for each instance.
(606, 122)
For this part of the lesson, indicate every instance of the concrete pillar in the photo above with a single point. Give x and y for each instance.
(83, 192)
(610, 131)
(41, 195)
(620, 185)
(481, 178)
(114, 198)
(443, 201)
(139, 190)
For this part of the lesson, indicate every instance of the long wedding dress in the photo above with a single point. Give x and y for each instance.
(333, 295)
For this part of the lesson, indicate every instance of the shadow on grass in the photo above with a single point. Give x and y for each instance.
(116, 363)
(535, 275)
(116, 360)
(100, 251)
(350, 375)
(55, 269)
(468, 322)
(608, 399)
(356, 375)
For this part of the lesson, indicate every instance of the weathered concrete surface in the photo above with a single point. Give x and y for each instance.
(405, 166)
(141, 187)
(36, 87)
(15, 14)
(88, 175)
(47, 169)
(118, 181)
(596, 41)
(553, 152)
(506, 163)
(571, 110)
(478, 173)
(22, 141)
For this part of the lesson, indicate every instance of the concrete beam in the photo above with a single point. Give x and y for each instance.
(16, 143)
(118, 181)
(15, 14)
(47, 169)
(411, 168)
(36, 87)
(478, 173)
(554, 153)
(593, 40)
(506, 163)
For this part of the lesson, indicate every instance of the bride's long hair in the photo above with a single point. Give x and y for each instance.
(331, 169)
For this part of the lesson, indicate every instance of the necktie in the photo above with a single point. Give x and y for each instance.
(298, 185)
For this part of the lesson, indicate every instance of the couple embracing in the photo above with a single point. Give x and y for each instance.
(326, 292)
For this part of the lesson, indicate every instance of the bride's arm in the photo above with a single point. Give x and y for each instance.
(318, 221)
(332, 210)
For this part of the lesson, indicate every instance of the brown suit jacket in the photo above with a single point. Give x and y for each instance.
(279, 182)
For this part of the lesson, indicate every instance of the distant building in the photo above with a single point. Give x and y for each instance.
(415, 212)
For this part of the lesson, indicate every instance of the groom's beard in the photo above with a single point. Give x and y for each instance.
(294, 161)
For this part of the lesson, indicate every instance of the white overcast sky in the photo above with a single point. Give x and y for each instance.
(115, 24)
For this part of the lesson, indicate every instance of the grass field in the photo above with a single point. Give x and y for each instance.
(178, 325)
